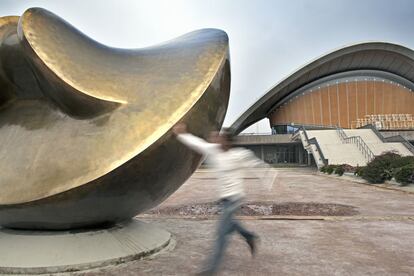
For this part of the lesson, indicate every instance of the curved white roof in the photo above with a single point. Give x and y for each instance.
(380, 56)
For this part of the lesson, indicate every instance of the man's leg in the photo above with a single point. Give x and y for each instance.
(243, 231)
(236, 226)
(250, 237)
(225, 227)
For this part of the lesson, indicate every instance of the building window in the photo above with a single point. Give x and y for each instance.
(284, 129)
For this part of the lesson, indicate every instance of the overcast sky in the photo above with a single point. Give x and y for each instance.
(269, 40)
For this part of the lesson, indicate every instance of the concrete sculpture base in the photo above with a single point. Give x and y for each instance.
(35, 252)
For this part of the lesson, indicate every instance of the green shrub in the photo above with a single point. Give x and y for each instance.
(359, 171)
(405, 174)
(348, 168)
(381, 168)
(339, 170)
(374, 174)
(402, 161)
(330, 169)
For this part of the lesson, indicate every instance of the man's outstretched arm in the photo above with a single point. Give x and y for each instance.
(191, 141)
(266, 175)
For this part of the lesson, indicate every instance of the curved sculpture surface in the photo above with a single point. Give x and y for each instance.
(85, 129)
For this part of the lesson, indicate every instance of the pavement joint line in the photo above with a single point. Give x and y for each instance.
(307, 218)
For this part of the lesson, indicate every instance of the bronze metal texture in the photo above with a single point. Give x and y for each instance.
(85, 129)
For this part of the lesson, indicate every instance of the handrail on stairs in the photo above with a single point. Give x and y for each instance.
(313, 141)
(395, 138)
(360, 143)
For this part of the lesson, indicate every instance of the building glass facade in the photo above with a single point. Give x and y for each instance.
(293, 153)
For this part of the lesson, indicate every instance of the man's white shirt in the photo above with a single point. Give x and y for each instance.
(229, 165)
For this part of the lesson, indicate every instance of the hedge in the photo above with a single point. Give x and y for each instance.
(337, 169)
(381, 168)
(388, 165)
(405, 174)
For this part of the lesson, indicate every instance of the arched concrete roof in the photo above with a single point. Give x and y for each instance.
(379, 56)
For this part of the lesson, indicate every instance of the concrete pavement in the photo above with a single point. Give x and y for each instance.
(377, 241)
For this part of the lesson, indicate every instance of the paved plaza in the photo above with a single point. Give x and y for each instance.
(377, 240)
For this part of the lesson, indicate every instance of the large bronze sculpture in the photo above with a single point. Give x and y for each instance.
(85, 129)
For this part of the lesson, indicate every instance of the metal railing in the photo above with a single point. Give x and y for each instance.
(341, 133)
(358, 141)
(395, 138)
(402, 140)
(313, 141)
(375, 130)
(312, 127)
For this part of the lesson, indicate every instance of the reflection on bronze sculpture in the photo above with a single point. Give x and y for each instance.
(85, 129)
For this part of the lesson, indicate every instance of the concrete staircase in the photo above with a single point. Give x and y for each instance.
(312, 148)
(375, 143)
(354, 146)
(334, 150)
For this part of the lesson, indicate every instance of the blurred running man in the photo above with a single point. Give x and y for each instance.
(229, 164)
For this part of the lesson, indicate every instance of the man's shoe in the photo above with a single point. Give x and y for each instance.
(252, 242)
